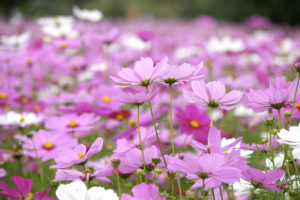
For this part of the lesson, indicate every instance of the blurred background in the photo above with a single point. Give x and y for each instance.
(278, 11)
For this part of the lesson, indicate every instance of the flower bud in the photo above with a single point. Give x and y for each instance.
(115, 162)
(156, 160)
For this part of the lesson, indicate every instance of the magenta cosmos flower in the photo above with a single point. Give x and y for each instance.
(22, 190)
(78, 155)
(143, 192)
(72, 123)
(143, 73)
(266, 180)
(193, 121)
(212, 94)
(215, 169)
(47, 145)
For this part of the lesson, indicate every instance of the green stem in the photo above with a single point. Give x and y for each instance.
(118, 182)
(172, 137)
(280, 123)
(211, 117)
(213, 194)
(157, 137)
(172, 187)
(171, 120)
(227, 192)
(141, 145)
(221, 193)
(291, 120)
(252, 193)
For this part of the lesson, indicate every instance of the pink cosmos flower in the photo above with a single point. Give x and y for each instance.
(72, 123)
(182, 73)
(214, 142)
(133, 160)
(87, 174)
(107, 97)
(138, 95)
(47, 145)
(143, 73)
(212, 94)
(78, 155)
(22, 191)
(205, 167)
(123, 145)
(193, 121)
(266, 180)
(143, 192)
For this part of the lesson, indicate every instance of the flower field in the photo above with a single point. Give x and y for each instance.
(93, 108)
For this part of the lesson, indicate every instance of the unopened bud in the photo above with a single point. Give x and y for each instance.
(156, 160)
(115, 162)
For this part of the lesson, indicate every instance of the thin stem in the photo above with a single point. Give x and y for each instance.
(141, 145)
(211, 117)
(118, 182)
(291, 120)
(221, 193)
(213, 193)
(252, 193)
(157, 137)
(227, 192)
(171, 120)
(172, 187)
(280, 123)
(172, 137)
(203, 189)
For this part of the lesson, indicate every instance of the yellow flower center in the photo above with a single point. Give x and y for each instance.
(87, 170)
(24, 100)
(298, 105)
(80, 155)
(119, 116)
(72, 124)
(106, 99)
(7, 106)
(37, 108)
(194, 124)
(22, 119)
(3, 95)
(48, 145)
(132, 123)
(29, 196)
(76, 135)
(29, 60)
(106, 162)
(63, 45)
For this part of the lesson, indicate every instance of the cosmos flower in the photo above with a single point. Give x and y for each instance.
(182, 73)
(212, 94)
(263, 179)
(138, 95)
(72, 123)
(77, 190)
(214, 142)
(87, 15)
(143, 73)
(19, 119)
(205, 167)
(23, 190)
(143, 192)
(79, 154)
(46, 145)
(193, 121)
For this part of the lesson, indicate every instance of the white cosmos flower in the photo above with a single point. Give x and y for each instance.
(15, 40)
(77, 191)
(135, 43)
(224, 44)
(87, 15)
(290, 137)
(21, 119)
